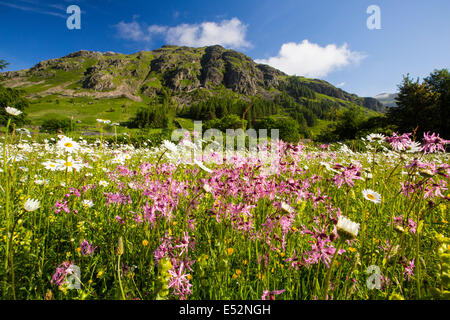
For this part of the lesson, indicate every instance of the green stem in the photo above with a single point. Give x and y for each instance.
(118, 274)
(346, 201)
(5, 172)
(11, 257)
(418, 279)
(327, 278)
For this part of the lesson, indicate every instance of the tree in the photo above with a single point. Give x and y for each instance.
(424, 106)
(348, 124)
(230, 121)
(288, 128)
(439, 83)
(57, 125)
(12, 98)
(3, 64)
(154, 116)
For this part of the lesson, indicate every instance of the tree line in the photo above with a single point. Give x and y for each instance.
(421, 106)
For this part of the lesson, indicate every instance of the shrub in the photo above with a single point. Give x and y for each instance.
(288, 128)
(230, 121)
(57, 125)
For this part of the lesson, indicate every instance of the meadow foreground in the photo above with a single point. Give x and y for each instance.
(99, 221)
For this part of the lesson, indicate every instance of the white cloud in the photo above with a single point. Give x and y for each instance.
(131, 31)
(311, 60)
(340, 84)
(157, 29)
(228, 33)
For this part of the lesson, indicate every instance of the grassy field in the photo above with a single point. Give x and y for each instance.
(86, 110)
(97, 221)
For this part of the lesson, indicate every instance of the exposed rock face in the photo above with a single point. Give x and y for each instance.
(182, 79)
(14, 74)
(187, 74)
(180, 68)
(213, 67)
(271, 75)
(374, 104)
(98, 82)
(149, 91)
(85, 54)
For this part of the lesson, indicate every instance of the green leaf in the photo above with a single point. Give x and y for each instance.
(420, 226)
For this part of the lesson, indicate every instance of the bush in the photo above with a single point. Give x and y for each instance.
(230, 121)
(152, 117)
(57, 125)
(10, 97)
(288, 128)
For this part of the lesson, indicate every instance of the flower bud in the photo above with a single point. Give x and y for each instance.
(120, 246)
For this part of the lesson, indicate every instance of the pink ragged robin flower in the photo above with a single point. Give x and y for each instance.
(271, 294)
(433, 143)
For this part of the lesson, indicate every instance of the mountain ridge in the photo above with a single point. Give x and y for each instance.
(387, 99)
(188, 75)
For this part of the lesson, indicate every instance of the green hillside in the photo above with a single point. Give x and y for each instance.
(88, 85)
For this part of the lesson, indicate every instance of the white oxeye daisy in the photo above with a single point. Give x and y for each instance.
(103, 183)
(200, 164)
(117, 160)
(368, 175)
(347, 229)
(50, 165)
(132, 185)
(13, 111)
(375, 137)
(287, 207)
(40, 182)
(88, 203)
(372, 196)
(67, 144)
(170, 146)
(413, 147)
(32, 205)
(69, 164)
(207, 188)
(104, 121)
(23, 131)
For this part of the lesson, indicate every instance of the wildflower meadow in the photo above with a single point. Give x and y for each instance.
(103, 220)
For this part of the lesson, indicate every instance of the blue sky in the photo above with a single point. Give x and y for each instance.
(323, 39)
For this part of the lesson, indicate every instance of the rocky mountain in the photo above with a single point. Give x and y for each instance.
(187, 74)
(387, 99)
